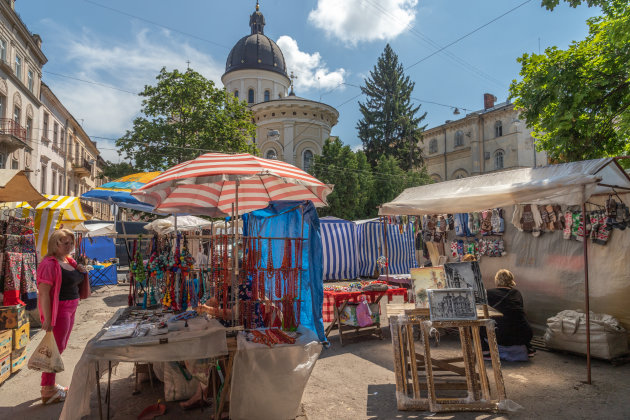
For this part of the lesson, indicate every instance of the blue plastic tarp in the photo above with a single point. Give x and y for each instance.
(294, 219)
(100, 248)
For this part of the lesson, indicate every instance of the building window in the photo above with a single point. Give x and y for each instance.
(1, 160)
(3, 101)
(55, 132)
(267, 96)
(17, 114)
(433, 146)
(498, 129)
(18, 66)
(498, 159)
(271, 154)
(236, 93)
(250, 96)
(61, 184)
(29, 129)
(15, 164)
(54, 182)
(307, 161)
(459, 174)
(3, 50)
(45, 127)
(459, 138)
(62, 140)
(30, 80)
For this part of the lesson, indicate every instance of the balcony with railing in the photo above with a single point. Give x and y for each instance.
(82, 168)
(12, 135)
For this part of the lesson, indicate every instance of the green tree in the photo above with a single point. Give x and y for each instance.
(577, 101)
(183, 116)
(350, 173)
(390, 180)
(117, 170)
(390, 126)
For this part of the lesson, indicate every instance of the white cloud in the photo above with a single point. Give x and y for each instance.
(127, 66)
(354, 21)
(310, 69)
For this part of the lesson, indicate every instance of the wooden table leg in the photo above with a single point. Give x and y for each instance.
(338, 312)
(483, 375)
(428, 366)
(226, 387)
(98, 390)
(496, 361)
(414, 366)
(109, 387)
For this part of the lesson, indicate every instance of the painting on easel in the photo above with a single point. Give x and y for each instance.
(424, 279)
(466, 275)
(452, 304)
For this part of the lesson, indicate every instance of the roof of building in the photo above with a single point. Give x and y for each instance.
(256, 51)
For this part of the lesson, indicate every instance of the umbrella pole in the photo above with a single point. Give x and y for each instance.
(586, 300)
(235, 310)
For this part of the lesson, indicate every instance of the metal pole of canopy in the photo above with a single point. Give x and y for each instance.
(586, 300)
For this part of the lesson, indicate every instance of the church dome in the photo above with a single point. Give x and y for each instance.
(256, 51)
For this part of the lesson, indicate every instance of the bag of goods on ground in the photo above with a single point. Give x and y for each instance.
(567, 331)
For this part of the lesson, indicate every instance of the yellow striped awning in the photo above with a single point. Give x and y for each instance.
(59, 211)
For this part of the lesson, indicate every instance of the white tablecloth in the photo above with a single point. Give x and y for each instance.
(268, 383)
(177, 345)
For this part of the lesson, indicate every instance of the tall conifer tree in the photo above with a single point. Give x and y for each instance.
(390, 125)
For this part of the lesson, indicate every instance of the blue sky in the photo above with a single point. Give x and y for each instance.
(332, 45)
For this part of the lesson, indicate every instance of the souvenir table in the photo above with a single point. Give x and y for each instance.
(335, 302)
(101, 356)
(401, 280)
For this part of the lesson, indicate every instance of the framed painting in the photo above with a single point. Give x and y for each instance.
(452, 304)
(466, 275)
(423, 279)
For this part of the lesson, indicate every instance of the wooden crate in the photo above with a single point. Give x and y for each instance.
(18, 359)
(6, 342)
(5, 368)
(21, 336)
(12, 317)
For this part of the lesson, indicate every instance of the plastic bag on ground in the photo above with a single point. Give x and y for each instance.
(46, 357)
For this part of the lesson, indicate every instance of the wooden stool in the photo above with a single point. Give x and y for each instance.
(142, 368)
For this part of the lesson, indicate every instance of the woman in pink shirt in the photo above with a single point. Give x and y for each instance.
(58, 280)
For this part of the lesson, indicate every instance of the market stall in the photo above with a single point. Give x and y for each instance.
(262, 286)
(57, 211)
(555, 276)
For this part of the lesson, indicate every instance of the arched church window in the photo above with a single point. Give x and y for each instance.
(250, 96)
(267, 93)
(271, 154)
(236, 93)
(307, 161)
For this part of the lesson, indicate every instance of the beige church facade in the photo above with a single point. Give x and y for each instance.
(488, 140)
(289, 128)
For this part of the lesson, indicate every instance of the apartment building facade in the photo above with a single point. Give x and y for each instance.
(488, 140)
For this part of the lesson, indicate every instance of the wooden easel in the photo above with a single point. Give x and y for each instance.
(420, 375)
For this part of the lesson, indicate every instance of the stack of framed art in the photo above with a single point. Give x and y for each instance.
(450, 292)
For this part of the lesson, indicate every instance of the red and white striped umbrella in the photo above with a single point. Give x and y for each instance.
(207, 185)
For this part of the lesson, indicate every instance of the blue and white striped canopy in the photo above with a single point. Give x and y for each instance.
(340, 248)
(400, 247)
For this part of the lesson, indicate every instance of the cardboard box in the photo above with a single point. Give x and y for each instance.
(5, 368)
(21, 336)
(18, 359)
(12, 317)
(6, 342)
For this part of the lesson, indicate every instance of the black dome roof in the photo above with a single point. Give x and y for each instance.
(256, 51)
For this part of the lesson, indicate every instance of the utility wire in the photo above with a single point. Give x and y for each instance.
(156, 24)
(468, 34)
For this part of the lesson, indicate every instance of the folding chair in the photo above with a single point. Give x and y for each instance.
(105, 276)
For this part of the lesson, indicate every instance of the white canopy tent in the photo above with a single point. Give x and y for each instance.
(566, 184)
(569, 184)
(96, 229)
(180, 223)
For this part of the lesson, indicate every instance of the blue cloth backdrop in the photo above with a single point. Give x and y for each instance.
(294, 219)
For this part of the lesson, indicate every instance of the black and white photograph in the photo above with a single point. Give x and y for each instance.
(452, 304)
(466, 275)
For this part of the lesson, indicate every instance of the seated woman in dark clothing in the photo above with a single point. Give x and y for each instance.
(512, 328)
